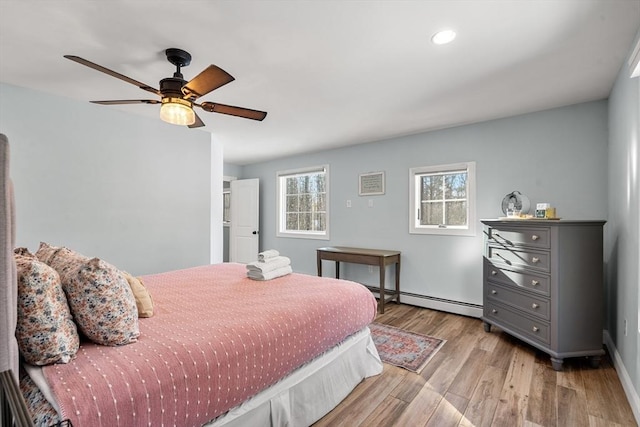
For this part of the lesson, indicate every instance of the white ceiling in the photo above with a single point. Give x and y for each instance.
(329, 73)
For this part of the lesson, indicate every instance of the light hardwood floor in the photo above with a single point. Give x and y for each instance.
(482, 379)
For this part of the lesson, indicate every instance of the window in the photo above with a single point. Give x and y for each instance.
(303, 203)
(442, 199)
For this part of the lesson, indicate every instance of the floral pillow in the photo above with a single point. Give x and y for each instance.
(45, 252)
(60, 258)
(41, 411)
(45, 330)
(101, 302)
(99, 296)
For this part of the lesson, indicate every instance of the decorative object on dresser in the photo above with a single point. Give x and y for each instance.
(515, 204)
(543, 283)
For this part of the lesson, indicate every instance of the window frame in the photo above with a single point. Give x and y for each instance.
(281, 201)
(414, 202)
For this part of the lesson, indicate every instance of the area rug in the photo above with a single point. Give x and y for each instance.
(405, 349)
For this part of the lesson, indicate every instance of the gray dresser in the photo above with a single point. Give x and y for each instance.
(543, 283)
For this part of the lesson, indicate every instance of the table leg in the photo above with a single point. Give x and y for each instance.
(382, 276)
(319, 265)
(337, 269)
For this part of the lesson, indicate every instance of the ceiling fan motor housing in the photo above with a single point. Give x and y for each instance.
(172, 87)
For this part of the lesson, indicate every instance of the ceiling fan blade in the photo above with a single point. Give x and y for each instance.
(247, 113)
(209, 79)
(112, 73)
(198, 123)
(127, 101)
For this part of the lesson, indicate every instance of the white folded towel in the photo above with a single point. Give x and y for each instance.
(279, 272)
(269, 264)
(271, 253)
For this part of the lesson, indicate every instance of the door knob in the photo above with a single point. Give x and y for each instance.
(255, 232)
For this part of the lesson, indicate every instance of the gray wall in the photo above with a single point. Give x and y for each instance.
(557, 156)
(132, 190)
(622, 252)
(232, 170)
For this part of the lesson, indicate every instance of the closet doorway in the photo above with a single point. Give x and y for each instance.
(226, 215)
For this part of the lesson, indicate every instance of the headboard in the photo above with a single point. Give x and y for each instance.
(8, 283)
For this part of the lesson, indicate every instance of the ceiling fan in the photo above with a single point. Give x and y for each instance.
(177, 96)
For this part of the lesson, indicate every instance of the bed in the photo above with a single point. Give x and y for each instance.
(220, 349)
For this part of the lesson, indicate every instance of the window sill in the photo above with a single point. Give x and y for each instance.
(303, 236)
(469, 232)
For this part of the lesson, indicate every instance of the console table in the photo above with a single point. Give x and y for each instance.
(378, 257)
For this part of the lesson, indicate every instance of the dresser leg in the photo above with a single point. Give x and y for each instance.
(556, 364)
(487, 327)
(594, 361)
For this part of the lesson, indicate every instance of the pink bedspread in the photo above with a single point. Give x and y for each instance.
(216, 339)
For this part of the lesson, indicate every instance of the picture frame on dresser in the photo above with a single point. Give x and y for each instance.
(543, 284)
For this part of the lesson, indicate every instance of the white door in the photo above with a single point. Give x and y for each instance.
(243, 236)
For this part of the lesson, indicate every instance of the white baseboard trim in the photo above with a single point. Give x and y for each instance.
(625, 379)
(449, 306)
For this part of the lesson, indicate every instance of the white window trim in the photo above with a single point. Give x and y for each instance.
(470, 229)
(318, 235)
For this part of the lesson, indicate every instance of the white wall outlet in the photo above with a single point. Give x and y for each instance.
(625, 327)
(348, 203)
(370, 203)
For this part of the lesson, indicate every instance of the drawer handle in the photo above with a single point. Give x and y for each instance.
(535, 329)
(493, 272)
(535, 260)
(534, 305)
(535, 237)
(493, 291)
(535, 283)
(494, 311)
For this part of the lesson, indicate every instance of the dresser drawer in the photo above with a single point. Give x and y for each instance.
(529, 281)
(519, 258)
(517, 236)
(536, 306)
(514, 319)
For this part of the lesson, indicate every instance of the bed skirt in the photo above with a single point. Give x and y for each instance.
(311, 391)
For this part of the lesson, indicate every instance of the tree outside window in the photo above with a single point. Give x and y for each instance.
(303, 203)
(443, 199)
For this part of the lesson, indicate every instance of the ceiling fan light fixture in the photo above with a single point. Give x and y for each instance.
(443, 37)
(177, 111)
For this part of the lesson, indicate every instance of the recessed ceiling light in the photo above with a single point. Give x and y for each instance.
(443, 37)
